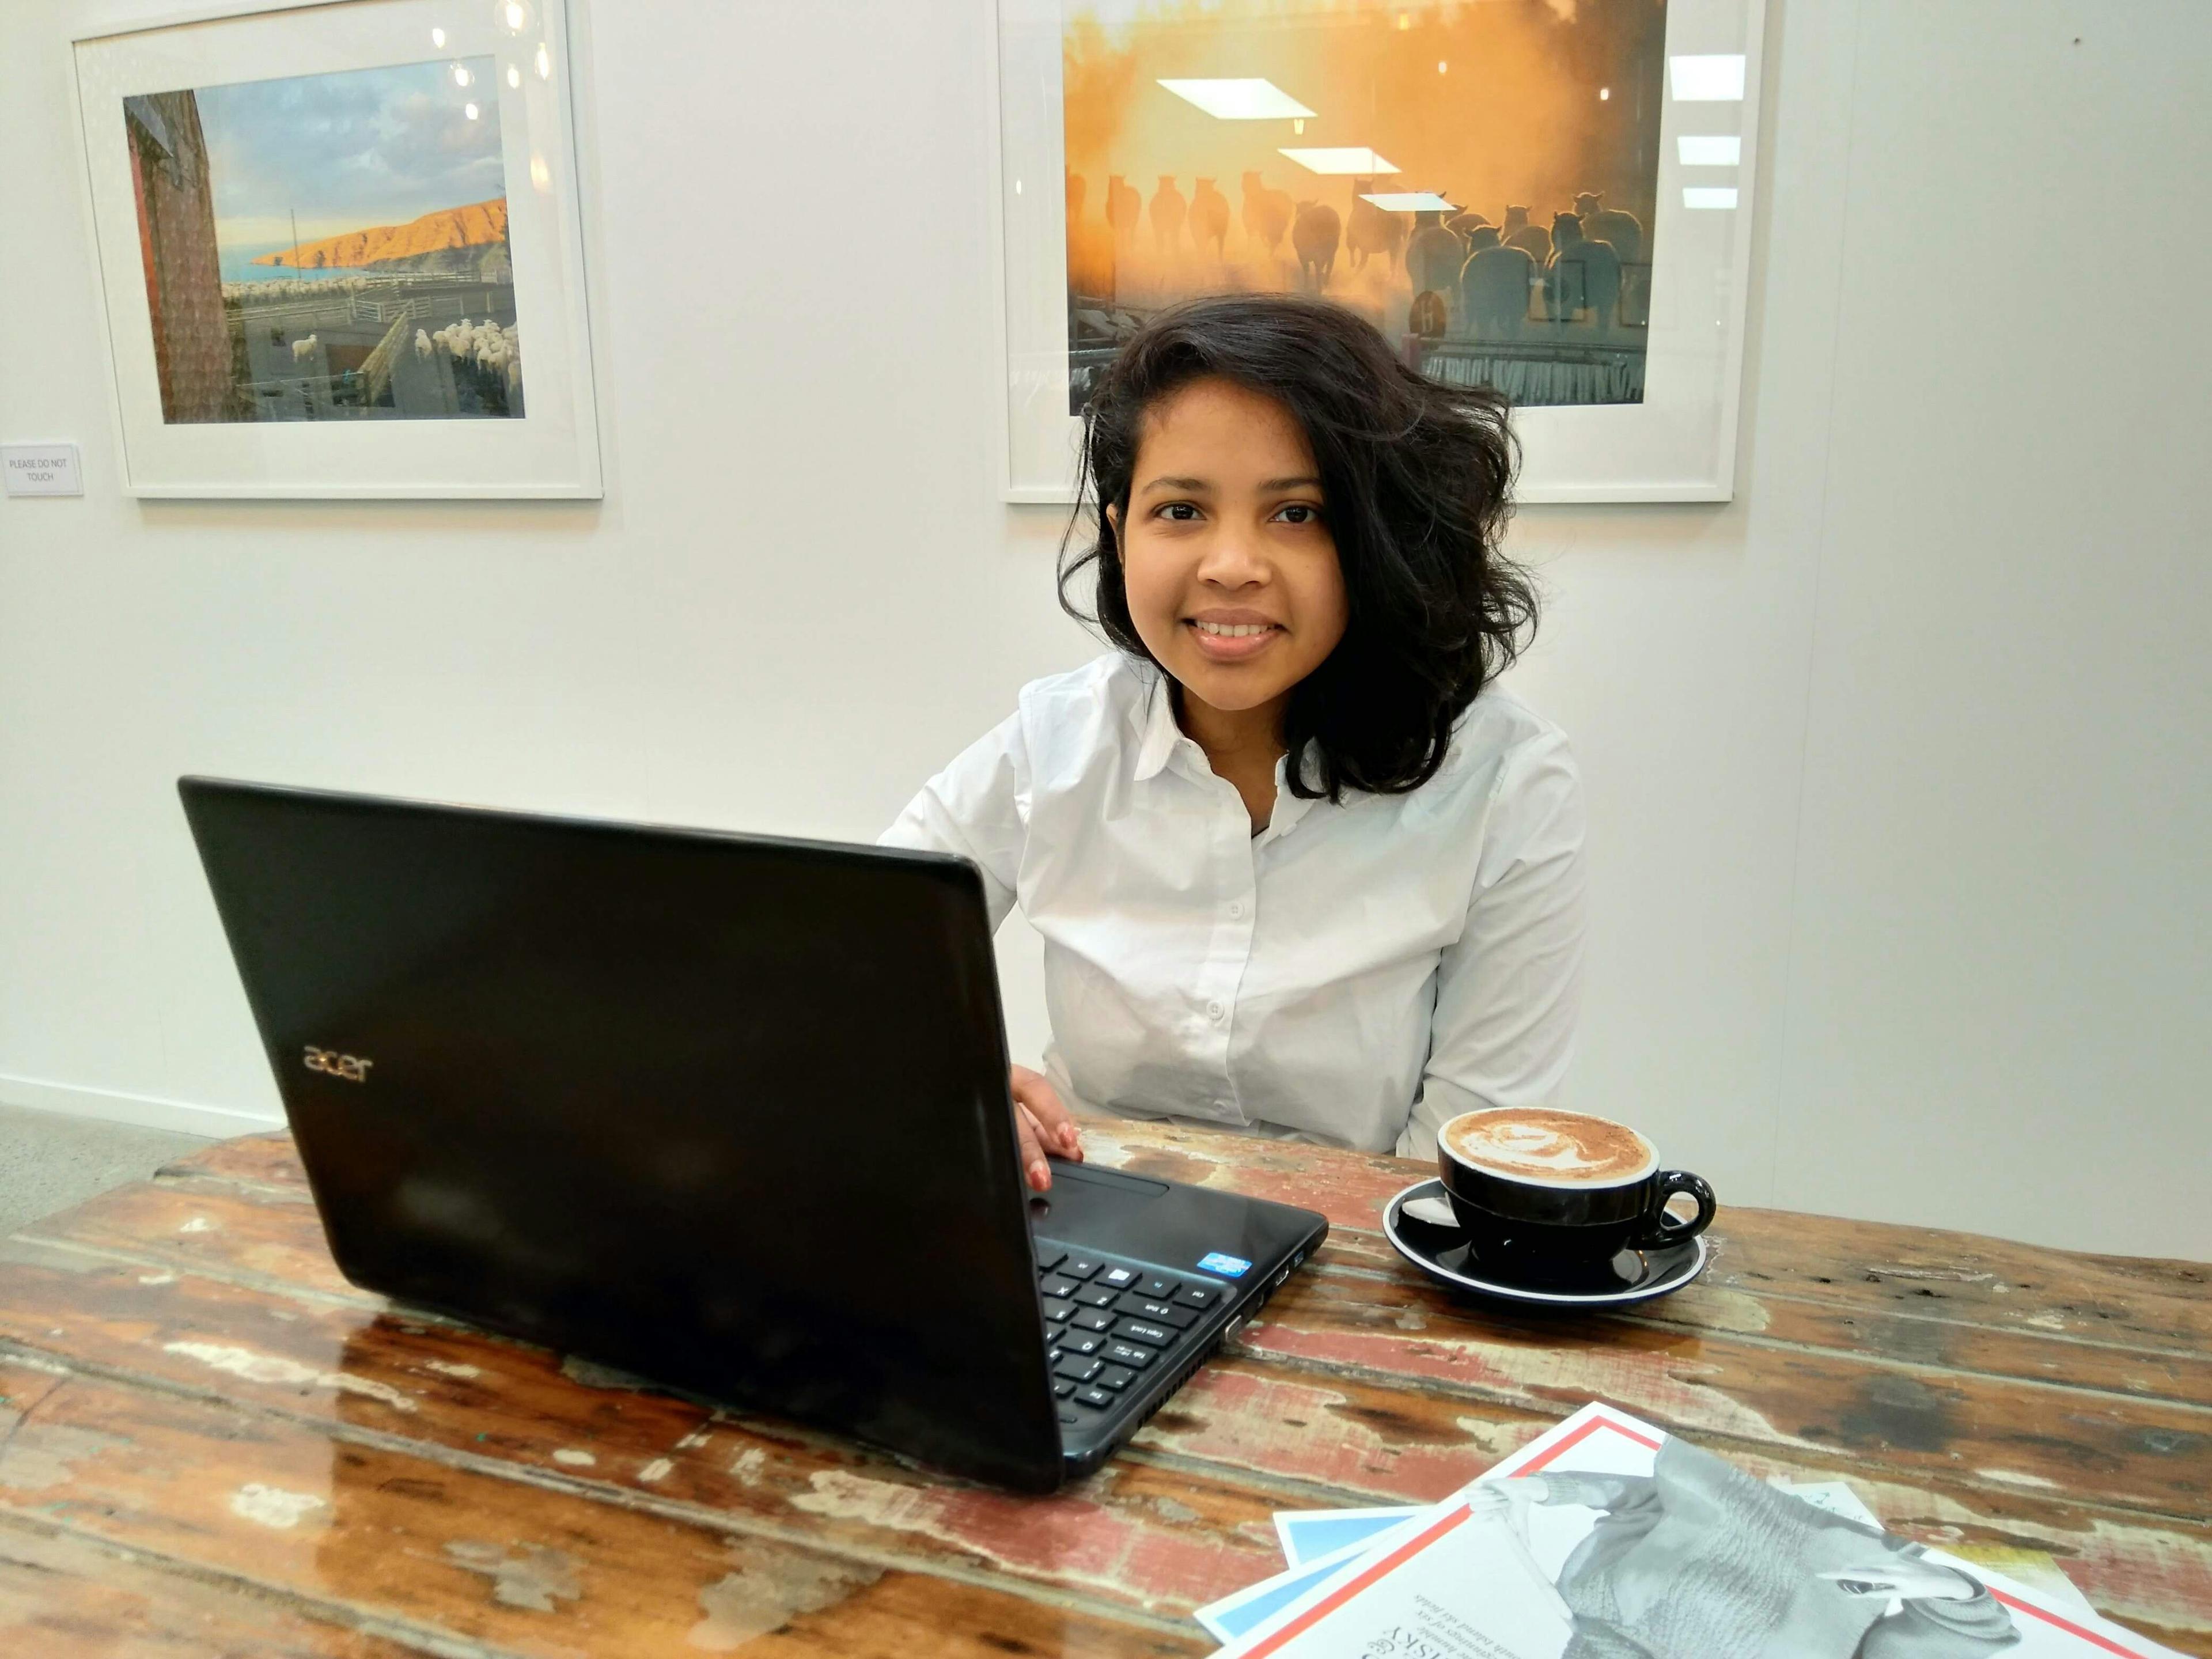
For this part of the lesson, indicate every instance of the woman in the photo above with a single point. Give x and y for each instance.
(1300, 868)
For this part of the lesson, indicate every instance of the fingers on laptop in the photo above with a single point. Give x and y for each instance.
(1045, 1124)
(1034, 1166)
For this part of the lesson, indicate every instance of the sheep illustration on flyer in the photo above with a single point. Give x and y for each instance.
(1608, 1539)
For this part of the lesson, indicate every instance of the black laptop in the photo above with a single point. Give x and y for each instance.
(727, 1111)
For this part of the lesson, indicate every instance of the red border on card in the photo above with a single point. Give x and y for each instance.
(1336, 1598)
(1581, 1435)
(1413, 1546)
(2067, 1624)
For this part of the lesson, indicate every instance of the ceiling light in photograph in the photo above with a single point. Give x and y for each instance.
(1709, 196)
(1717, 79)
(1410, 201)
(1356, 158)
(1709, 150)
(1239, 100)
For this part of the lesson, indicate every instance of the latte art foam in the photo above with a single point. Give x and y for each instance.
(1558, 1149)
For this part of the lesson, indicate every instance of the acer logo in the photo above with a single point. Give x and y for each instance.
(351, 1068)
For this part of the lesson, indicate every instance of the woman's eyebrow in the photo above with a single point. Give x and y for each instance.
(1272, 484)
(1195, 486)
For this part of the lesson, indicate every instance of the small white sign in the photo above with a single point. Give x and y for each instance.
(40, 470)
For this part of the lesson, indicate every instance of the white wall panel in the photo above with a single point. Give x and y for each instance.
(1899, 811)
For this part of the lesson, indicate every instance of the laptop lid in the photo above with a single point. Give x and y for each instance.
(729, 1111)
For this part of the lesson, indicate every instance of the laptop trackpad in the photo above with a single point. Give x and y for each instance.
(1100, 1208)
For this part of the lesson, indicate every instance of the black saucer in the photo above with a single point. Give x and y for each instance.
(1441, 1251)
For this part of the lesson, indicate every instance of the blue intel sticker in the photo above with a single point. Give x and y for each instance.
(1230, 1267)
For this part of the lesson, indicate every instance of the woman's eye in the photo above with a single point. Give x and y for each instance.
(1180, 512)
(1299, 513)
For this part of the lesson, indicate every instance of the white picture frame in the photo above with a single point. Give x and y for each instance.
(127, 48)
(1678, 445)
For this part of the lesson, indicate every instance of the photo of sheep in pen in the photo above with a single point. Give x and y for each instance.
(1477, 178)
(329, 246)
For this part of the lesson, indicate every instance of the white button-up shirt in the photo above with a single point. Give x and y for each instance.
(1354, 973)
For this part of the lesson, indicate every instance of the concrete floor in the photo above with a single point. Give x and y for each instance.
(50, 1161)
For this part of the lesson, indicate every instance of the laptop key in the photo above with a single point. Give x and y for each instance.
(1195, 1296)
(1120, 1278)
(1062, 1387)
(1094, 1395)
(1117, 1377)
(1091, 1319)
(1159, 1289)
(1076, 1368)
(1122, 1353)
(1081, 1267)
(1054, 1285)
(1160, 1312)
(1095, 1296)
(1153, 1336)
(1070, 1419)
(1048, 1256)
(1084, 1342)
(1057, 1308)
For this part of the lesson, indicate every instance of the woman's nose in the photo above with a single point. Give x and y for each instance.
(1231, 560)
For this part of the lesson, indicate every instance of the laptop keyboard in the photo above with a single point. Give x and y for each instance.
(1110, 1323)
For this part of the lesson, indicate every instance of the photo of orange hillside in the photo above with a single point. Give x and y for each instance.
(329, 247)
(473, 225)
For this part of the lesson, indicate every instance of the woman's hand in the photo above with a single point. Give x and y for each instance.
(1043, 1125)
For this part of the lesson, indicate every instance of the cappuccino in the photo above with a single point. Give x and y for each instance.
(1551, 1148)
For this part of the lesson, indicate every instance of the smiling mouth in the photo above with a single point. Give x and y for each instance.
(1228, 643)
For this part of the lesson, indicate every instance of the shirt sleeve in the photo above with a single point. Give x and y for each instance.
(978, 807)
(1508, 991)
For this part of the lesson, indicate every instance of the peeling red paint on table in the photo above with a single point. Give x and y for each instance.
(207, 1438)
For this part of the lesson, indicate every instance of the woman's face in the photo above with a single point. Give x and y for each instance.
(1231, 573)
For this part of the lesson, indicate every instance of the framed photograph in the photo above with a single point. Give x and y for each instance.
(1552, 197)
(338, 247)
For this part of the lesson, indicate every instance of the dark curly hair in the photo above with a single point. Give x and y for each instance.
(1415, 489)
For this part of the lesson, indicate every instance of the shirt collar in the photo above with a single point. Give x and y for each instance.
(1289, 808)
(1158, 734)
(1158, 738)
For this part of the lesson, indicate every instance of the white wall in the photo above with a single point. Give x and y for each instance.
(1896, 763)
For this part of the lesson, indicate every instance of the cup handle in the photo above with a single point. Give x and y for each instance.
(1662, 1228)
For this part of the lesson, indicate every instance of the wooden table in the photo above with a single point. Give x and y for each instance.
(214, 1444)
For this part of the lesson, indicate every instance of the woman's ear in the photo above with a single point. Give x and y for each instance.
(1114, 521)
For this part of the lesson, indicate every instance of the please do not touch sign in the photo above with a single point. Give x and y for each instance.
(40, 470)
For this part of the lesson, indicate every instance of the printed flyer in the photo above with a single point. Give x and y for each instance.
(1609, 1538)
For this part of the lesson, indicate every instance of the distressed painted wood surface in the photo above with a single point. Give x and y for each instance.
(213, 1443)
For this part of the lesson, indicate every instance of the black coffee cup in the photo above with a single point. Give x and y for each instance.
(1563, 1195)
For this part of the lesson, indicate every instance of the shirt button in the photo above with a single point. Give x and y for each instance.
(1236, 908)
(1213, 1011)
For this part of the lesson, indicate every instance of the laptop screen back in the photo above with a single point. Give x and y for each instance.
(729, 1112)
